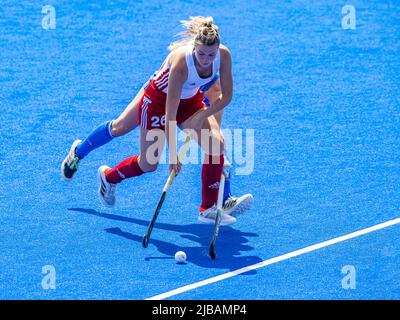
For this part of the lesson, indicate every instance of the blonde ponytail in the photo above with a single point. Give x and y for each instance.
(200, 30)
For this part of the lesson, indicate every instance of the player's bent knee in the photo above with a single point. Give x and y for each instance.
(116, 129)
(151, 168)
(215, 148)
(119, 129)
(147, 167)
(219, 143)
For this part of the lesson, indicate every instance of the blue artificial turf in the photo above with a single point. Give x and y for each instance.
(324, 106)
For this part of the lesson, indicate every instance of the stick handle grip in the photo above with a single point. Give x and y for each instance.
(180, 159)
(221, 191)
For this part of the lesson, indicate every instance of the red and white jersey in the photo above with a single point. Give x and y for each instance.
(193, 81)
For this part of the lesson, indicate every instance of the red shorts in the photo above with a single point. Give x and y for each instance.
(152, 108)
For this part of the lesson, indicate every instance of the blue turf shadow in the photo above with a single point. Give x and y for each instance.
(231, 242)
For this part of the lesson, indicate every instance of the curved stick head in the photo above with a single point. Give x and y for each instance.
(145, 241)
(212, 253)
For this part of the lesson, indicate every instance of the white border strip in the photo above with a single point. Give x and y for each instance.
(275, 260)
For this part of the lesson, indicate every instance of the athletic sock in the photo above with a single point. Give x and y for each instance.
(98, 137)
(126, 169)
(210, 177)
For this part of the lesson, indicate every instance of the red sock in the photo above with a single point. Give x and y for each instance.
(210, 177)
(126, 169)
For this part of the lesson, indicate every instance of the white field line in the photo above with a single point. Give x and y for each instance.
(276, 259)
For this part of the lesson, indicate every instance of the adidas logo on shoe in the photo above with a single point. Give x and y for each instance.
(235, 206)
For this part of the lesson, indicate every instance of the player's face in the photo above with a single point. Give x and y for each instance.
(205, 55)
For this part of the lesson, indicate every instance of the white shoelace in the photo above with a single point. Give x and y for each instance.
(73, 161)
(230, 202)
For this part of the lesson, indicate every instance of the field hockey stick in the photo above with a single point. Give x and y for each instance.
(213, 254)
(164, 192)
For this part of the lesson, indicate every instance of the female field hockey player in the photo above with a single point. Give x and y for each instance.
(127, 121)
